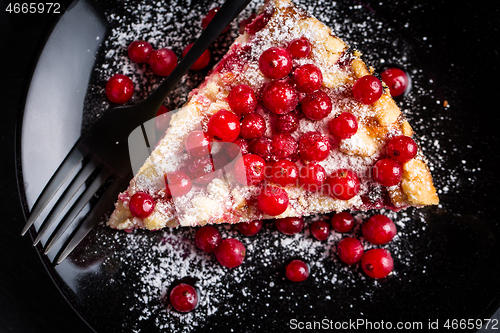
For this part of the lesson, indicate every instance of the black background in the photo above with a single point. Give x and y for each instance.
(463, 34)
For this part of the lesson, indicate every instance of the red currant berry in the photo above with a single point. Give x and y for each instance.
(202, 61)
(314, 146)
(284, 173)
(297, 271)
(197, 144)
(262, 147)
(343, 184)
(344, 125)
(249, 170)
(350, 250)
(252, 126)
(224, 126)
(320, 230)
(367, 89)
(299, 48)
(139, 51)
(280, 97)
(238, 147)
(307, 78)
(379, 229)
(141, 205)
(387, 172)
(272, 200)
(290, 225)
(342, 222)
(202, 170)
(230, 253)
(317, 105)
(177, 183)
(377, 263)
(241, 99)
(208, 18)
(283, 146)
(287, 123)
(162, 61)
(207, 238)
(119, 88)
(396, 80)
(311, 177)
(184, 297)
(275, 63)
(402, 148)
(250, 228)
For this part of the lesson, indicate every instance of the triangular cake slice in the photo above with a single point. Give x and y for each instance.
(298, 151)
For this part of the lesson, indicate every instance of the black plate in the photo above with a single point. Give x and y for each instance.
(446, 257)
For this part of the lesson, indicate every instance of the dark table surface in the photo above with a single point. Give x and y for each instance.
(29, 301)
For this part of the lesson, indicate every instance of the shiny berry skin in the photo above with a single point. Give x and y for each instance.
(287, 123)
(377, 263)
(311, 177)
(201, 169)
(250, 228)
(299, 48)
(387, 172)
(283, 146)
(284, 173)
(280, 97)
(344, 125)
(350, 250)
(162, 61)
(208, 18)
(207, 238)
(224, 126)
(379, 229)
(297, 271)
(230, 253)
(184, 297)
(316, 105)
(197, 144)
(249, 170)
(119, 89)
(396, 79)
(178, 183)
(141, 205)
(307, 78)
(252, 126)
(202, 61)
(320, 230)
(272, 200)
(314, 147)
(342, 222)
(275, 63)
(343, 184)
(402, 148)
(367, 89)
(139, 51)
(262, 147)
(237, 148)
(290, 225)
(242, 100)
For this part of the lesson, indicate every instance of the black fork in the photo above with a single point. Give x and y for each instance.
(99, 164)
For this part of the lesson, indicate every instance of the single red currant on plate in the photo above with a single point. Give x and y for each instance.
(184, 297)
(367, 89)
(119, 89)
(250, 228)
(162, 61)
(290, 225)
(396, 79)
(139, 51)
(377, 263)
(230, 253)
(297, 271)
(379, 229)
(141, 205)
(342, 222)
(207, 238)
(350, 250)
(320, 230)
(272, 200)
(202, 61)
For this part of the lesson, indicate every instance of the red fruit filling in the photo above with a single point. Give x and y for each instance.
(119, 88)
(139, 51)
(141, 205)
(284, 173)
(290, 225)
(162, 61)
(320, 230)
(387, 172)
(344, 125)
(280, 97)
(316, 105)
(201, 170)
(379, 229)
(250, 228)
(230, 253)
(184, 297)
(249, 170)
(262, 147)
(208, 18)
(287, 123)
(236, 148)
(242, 99)
(299, 48)
(202, 61)
(207, 238)
(367, 89)
(312, 176)
(224, 126)
(343, 184)
(252, 126)
(377, 263)
(314, 146)
(272, 200)
(177, 183)
(197, 144)
(283, 146)
(307, 78)
(275, 63)
(402, 148)
(297, 271)
(396, 80)
(342, 222)
(350, 250)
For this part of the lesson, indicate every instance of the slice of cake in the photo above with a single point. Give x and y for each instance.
(288, 123)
